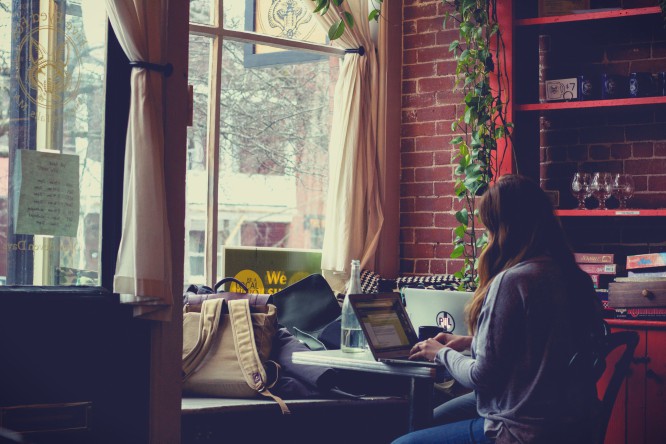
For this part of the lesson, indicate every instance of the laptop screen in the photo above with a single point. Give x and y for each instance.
(384, 322)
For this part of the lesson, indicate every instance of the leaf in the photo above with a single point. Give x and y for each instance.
(460, 231)
(458, 251)
(348, 18)
(456, 140)
(336, 30)
(374, 15)
(462, 216)
(320, 5)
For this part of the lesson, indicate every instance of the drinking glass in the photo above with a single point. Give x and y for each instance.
(580, 188)
(601, 187)
(623, 188)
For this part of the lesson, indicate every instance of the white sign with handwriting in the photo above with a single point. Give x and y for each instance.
(46, 193)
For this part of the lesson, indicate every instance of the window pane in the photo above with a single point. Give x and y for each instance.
(274, 133)
(280, 18)
(201, 11)
(51, 143)
(197, 141)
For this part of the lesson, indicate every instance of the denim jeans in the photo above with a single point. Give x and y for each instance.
(456, 409)
(469, 431)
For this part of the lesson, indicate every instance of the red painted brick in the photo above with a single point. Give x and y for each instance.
(620, 151)
(432, 204)
(660, 149)
(419, 11)
(445, 36)
(445, 188)
(407, 145)
(416, 189)
(418, 129)
(633, 51)
(421, 251)
(422, 235)
(446, 156)
(599, 152)
(606, 134)
(418, 100)
(643, 149)
(446, 112)
(428, 174)
(406, 266)
(434, 84)
(447, 68)
(417, 220)
(407, 235)
(422, 266)
(577, 153)
(409, 27)
(409, 86)
(409, 116)
(432, 54)
(407, 175)
(407, 204)
(454, 265)
(651, 166)
(437, 267)
(432, 143)
(416, 159)
(409, 57)
(447, 220)
(444, 129)
(419, 40)
(430, 25)
(657, 183)
(445, 248)
(449, 95)
(418, 71)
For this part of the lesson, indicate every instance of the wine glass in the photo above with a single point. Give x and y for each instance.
(601, 187)
(623, 188)
(580, 188)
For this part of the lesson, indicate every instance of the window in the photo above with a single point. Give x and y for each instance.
(52, 66)
(263, 78)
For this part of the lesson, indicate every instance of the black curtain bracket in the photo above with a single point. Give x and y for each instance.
(360, 51)
(164, 69)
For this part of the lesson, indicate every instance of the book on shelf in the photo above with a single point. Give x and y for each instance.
(594, 258)
(647, 260)
(646, 314)
(657, 272)
(601, 281)
(598, 268)
(639, 278)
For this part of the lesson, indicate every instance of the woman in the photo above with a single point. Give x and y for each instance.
(534, 308)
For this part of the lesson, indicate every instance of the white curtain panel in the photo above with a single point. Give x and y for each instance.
(144, 258)
(354, 215)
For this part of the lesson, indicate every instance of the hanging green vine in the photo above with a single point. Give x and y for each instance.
(479, 53)
(346, 19)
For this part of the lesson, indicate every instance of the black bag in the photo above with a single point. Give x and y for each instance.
(310, 311)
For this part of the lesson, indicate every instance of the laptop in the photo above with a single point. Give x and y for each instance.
(387, 328)
(441, 308)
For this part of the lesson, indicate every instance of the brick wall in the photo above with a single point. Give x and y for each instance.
(429, 106)
(629, 139)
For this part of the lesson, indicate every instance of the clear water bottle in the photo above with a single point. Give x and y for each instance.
(352, 339)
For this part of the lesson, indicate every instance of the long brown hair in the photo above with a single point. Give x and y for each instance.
(521, 225)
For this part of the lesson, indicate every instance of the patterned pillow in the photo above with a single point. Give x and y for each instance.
(370, 282)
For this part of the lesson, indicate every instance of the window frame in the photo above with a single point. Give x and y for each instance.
(218, 34)
(117, 103)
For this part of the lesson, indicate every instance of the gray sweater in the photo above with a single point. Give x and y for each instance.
(531, 322)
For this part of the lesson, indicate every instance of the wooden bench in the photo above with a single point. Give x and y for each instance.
(372, 419)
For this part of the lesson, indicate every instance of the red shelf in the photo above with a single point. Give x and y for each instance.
(591, 104)
(633, 212)
(588, 16)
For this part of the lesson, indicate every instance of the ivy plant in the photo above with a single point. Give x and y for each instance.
(479, 53)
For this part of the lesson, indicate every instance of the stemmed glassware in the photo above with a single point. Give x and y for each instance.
(602, 187)
(623, 188)
(580, 188)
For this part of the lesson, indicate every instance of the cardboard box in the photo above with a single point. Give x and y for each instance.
(561, 7)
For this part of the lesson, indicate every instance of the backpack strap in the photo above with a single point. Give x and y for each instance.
(209, 320)
(246, 351)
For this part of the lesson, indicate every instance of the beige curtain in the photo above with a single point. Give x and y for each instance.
(353, 211)
(144, 258)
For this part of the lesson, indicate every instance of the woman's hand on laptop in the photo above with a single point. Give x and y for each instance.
(425, 350)
(457, 342)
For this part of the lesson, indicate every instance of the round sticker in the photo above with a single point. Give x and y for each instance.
(251, 280)
(446, 321)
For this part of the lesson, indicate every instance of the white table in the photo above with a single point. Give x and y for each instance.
(422, 378)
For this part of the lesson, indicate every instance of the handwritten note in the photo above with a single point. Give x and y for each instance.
(46, 193)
